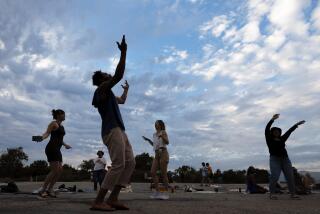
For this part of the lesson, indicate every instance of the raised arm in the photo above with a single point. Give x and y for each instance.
(288, 133)
(147, 139)
(120, 68)
(267, 129)
(122, 99)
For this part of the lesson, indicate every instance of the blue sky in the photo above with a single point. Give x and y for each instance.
(214, 71)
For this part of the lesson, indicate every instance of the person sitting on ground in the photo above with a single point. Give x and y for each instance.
(300, 188)
(252, 186)
(308, 182)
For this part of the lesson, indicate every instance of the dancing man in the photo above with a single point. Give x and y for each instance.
(113, 134)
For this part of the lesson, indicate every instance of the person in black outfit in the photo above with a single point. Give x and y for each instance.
(54, 156)
(279, 159)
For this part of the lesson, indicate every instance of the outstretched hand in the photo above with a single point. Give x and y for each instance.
(143, 137)
(67, 146)
(125, 86)
(123, 46)
(276, 116)
(300, 122)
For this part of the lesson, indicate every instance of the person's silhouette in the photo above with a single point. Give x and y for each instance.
(279, 159)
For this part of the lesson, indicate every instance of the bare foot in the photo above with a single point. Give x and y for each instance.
(101, 207)
(117, 205)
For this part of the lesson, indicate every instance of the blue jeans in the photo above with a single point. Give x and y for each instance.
(98, 177)
(278, 164)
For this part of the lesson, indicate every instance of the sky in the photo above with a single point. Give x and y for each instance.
(214, 71)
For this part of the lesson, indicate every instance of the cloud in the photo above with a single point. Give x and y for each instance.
(171, 55)
(2, 45)
(215, 73)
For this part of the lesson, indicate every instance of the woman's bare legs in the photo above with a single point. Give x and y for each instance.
(55, 178)
(54, 170)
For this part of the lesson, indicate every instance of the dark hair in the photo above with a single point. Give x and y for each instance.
(161, 123)
(56, 112)
(97, 78)
(207, 164)
(100, 152)
(250, 170)
(274, 129)
(203, 163)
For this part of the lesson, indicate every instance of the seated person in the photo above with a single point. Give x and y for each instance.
(252, 186)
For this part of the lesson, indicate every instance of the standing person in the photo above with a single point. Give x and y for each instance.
(279, 159)
(210, 173)
(161, 159)
(204, 173)
(113, 134)
(99, 169)
(54, 156)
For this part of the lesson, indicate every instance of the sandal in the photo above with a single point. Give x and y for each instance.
(117, 206)
(101, 207)
(295, 197)
(273, 197)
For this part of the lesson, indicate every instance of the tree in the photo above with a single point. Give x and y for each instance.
(143, 162)
(11, 162)
(231, 176)
(39, 167)
(143, 167)
(87, 165)
(187, 174)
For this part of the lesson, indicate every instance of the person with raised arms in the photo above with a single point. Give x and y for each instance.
(279, 159)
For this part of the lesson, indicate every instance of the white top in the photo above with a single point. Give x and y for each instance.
(158, 141)
(99, 163)
(204, 171)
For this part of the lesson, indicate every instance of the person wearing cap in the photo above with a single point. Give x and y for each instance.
(99, 170)
(279, 159)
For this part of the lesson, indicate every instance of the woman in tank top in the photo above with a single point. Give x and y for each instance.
(161, 159)
(53, 153)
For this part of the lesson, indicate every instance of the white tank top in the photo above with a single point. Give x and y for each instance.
(158, 142)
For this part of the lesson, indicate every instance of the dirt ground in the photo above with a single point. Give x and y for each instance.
(227, 200)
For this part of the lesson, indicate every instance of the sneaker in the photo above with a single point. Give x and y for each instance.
(51, 194)
(155, 195)
(163, 196)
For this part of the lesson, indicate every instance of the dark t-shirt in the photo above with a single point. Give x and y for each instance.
(277, 147)
(109, 112)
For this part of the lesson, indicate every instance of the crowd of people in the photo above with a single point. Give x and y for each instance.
(121, 154)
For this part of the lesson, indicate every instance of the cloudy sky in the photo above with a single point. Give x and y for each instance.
(214, 71)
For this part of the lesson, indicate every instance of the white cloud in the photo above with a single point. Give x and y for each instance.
(171, 55)
(316, 17)
(287, 15)
(216, 26)
(2, 45)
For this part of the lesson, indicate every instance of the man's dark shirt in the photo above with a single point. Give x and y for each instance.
(109, 112)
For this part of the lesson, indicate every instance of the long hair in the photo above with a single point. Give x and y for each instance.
(56, 112)
(162, 125)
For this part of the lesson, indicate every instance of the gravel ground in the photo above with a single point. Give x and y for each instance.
(224, 201)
